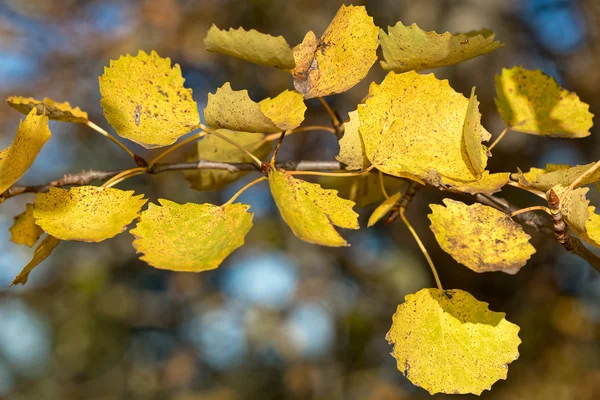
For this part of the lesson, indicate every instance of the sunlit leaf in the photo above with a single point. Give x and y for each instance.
(579, 215)
(352, 149)
(480, 237)
(364, 190)
(553, 174)
(144, 99)
(252, 46)
(16, 159)
(233, 109)
(446, 341)
(86, 213)
(474, 134)
(190, 237)
(311, 211)
(41, 253)
(383, 209)
(24, 230)
(340, 58)
(213, 148)
(487, 184)
(532, 102)
(52, 109)
(408, 48)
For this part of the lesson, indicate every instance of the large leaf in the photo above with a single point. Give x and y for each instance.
(352, 149)
(556, 174)
(24, 230)
(252, 46)
(341, 58)
(408, 48)
(480, 237)
(311, 211)
(16, 159)
(41, 253)
(532, 102)
(446, 341)
(190, 237)
(233, 109)
(144, 99)
(52, 109)
(86, 213)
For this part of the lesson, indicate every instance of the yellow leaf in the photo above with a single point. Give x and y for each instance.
(190, 237)
(145, 101)
(213, 148)
(341, 58)
(352, 149)
(86, 213)
(364, 189)
(252, 46)
(552, 175)
(408, 48)
(532, 102)
(412, 124)
(311, 211)
(41, 253)
(446, 341)
(578, 214)
(487, 184)
(383, 209)
(24, 229)
(592, 227)
(233, 109)
(474, 134)
(52, 109)
(480, 237)
(16, 159)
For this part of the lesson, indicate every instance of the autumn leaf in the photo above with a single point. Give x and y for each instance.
(407, 48)
(16, 159)
(233, 109)
(86, 213)
(24, 230)
(311, 211)
(383, 209)
(474, 134)
(52, 109)
(144, 99)
(342, 56)
(41, 253)
(556, 174)
(213, 148)
(578, 214)
(487, 184)
(190, 237)
(446, 341)
(480, 237)
(252, 46)
(352, 149)
(532, 102)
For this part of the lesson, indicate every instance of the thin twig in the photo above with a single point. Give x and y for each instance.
(192, 138)
(529, 209)
(498, 139)
(231, 142)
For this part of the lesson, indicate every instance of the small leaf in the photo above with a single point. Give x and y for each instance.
(144, 99)
(446, 341)
(553, 174)
(213, 148)
(474, 134)
(352, 149)
(487, 184)
(252, 46)
(86, 213)
(407, 48)
(52, 109)
(480, 237)
(532, 102)
(341, 58)
(16, 159)
(41, 253)
(311, 211)
(24, 230)
(190, 237)
(233, 109)
(383, 209)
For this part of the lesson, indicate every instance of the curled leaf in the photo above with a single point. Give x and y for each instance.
(383, 209)
(41, 253)
(52, 109)
(487, 184)
(579, 215)
(474, 134)
(24, 230)
(546, 178)
(190, 237)
(352, 149)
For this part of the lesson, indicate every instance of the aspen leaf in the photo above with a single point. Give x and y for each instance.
(212, 148)
(480, 237)
(412, 124)
(546, 178)
(446, 341)
(578, 214)
(24, 230)
(383, 209)
(52, 109)
(474, 134)
(532, 102)
(352, 149)
(311, 211)
(190, 237)
(86, 213)
(342, 56)
(144, 99)
(41, 253)
(364, 190)
(252, 46)
(233, 109)
(487, 184)
(16, 159)
(407, 48)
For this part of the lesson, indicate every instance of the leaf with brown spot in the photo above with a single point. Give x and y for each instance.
(24, 230)
(52, 109)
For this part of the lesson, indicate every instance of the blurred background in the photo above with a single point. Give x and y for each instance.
(280, 319)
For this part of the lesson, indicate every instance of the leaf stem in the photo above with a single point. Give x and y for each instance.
(192, 138)
(277, 146)
(538, 193)
(498, 139)
(242, 190)
(275, 136)
(338, 174)
(382, 185)
(124, 175)
(231, 142)
(528, 209)
(336, 121)
(110, 137)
